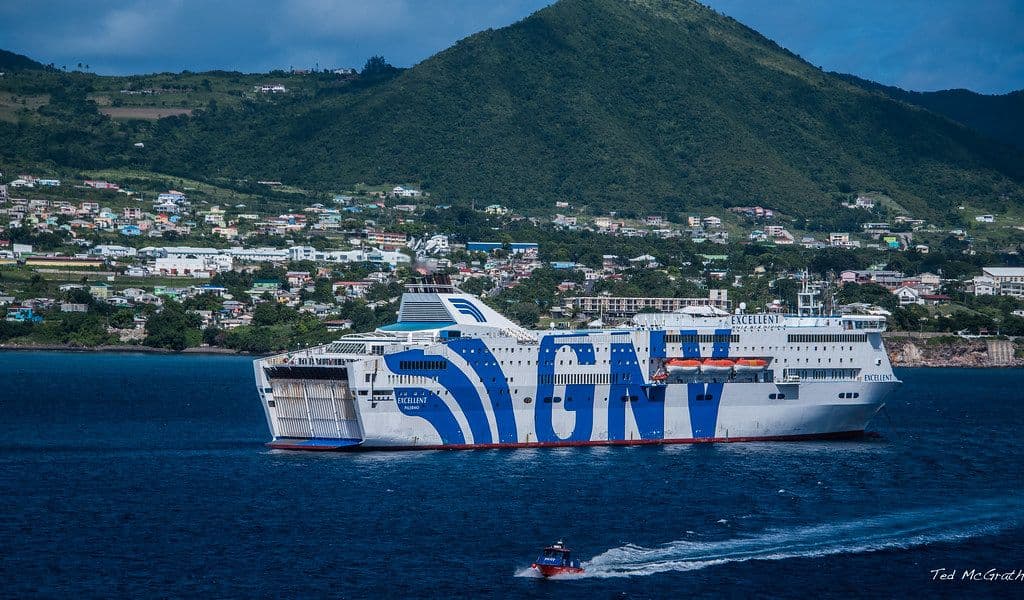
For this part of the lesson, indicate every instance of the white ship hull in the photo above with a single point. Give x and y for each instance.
(456, 384)
(742, 415)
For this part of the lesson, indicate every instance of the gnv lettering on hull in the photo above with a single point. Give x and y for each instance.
(582, 395)
(628, 392)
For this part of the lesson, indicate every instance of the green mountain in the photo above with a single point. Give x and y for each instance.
(10, 61)
(999, 116)
(631, 105)
(642, 104)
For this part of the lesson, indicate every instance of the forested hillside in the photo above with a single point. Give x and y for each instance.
(999, 116)
(643, 105)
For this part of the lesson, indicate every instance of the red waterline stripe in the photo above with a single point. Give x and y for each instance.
(841, 435)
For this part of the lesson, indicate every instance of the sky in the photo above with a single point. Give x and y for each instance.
(914, 44)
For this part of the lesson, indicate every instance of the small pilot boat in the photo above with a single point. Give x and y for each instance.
(557, 560)
(682, 366)
(716, 366)
(750, 365)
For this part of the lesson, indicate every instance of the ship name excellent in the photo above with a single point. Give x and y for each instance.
(755, 319)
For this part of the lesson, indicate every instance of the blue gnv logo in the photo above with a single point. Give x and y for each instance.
(467, 308)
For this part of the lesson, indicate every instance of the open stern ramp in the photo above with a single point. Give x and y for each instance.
(310, 404)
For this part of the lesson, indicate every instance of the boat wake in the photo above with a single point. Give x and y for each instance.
(893, 531)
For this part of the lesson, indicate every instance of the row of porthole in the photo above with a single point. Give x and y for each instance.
(557, 399)
(850, 395)
(776, 396)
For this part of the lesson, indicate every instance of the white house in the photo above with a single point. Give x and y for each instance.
(193, 265)
(839, 239)
(403, 192)
(908, 295)
(111, 251)
(983, 286)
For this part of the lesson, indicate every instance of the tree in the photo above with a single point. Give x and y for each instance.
(526, 313)
(787, 290)
(37, 286)
(834, 260)
(868, 293)
(122, 319)
(377, 66)
(477, 285)
(79, 296)
(213, 336)
(323, 291)
(173, 327)
(273, 313)
(204, 301)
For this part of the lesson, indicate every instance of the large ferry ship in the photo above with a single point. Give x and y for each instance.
(454, 373)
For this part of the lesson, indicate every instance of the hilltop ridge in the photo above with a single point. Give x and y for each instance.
(647, 105)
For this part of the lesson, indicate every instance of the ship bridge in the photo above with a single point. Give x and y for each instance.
(439, 307)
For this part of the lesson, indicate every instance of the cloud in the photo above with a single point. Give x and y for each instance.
(344, 18)
(135, 30)
(915, 44)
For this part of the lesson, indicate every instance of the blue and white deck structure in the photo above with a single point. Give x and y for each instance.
(452, 373)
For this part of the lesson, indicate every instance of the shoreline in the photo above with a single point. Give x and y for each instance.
(905, 351)
(124, 349)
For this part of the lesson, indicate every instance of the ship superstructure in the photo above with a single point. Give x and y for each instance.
(454, 373)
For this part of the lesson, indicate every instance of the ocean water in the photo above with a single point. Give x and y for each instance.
(141, 476)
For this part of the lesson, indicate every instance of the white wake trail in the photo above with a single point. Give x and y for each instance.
(893, 531)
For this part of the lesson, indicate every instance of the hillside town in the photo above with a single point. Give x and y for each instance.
(258, 279)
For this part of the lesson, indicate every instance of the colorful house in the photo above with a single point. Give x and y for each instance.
(23, 314)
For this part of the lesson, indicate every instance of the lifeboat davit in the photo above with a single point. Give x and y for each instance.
(717, 366)
(682, 366)
(557, 560)
(750, 365)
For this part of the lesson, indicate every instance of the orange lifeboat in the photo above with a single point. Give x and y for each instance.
(750, 365)
(682, 366)
(717, 366)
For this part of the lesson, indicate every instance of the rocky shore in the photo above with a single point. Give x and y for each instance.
(951, 351)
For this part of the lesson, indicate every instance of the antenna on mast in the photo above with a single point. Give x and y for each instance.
(807, 300)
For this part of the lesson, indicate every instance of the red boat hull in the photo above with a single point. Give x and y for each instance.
(551, 570)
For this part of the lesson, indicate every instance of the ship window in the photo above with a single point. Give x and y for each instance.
(547, 399)
(527, 400)
(856, 394)
(271, 403)
(556, 399)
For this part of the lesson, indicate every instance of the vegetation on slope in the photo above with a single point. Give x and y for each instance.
(655, 105)
(999, 116)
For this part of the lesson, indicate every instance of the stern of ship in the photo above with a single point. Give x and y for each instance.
(308, 405)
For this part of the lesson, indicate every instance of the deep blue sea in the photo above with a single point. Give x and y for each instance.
(146, 476)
